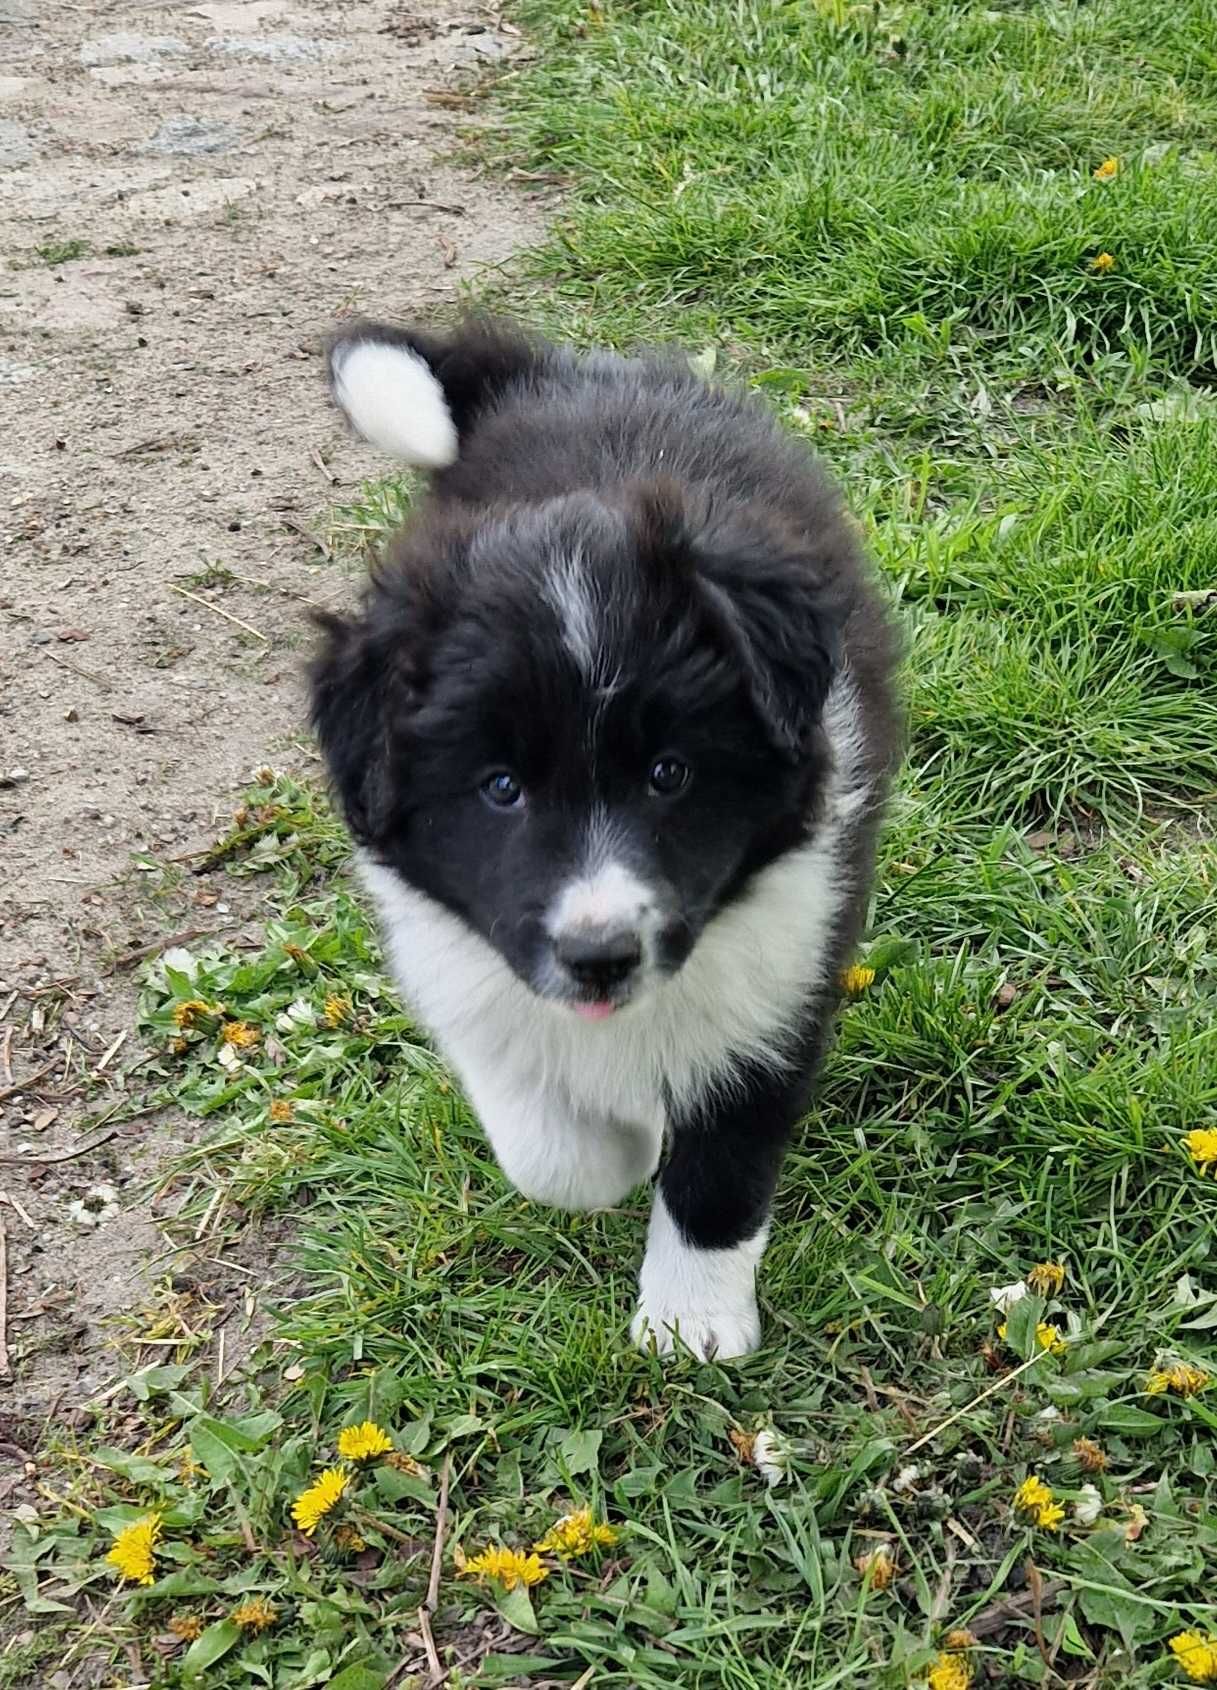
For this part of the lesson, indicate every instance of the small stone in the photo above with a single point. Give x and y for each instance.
(123, 48)
(192, 137)
(40, 636)
(16, 145)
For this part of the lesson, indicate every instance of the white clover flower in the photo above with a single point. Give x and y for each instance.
(772, 1452)
(1088, 1506)
(1004, 1297)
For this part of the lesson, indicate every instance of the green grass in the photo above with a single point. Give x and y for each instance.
(55, 253)
(885, 218)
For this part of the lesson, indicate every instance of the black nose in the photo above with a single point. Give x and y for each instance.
(599, 960)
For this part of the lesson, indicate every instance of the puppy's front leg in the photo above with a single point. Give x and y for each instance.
(710, 1220)
(554, 1152)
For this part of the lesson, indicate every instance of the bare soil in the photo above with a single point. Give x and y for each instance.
(189, 196)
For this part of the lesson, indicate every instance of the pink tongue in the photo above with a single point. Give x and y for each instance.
(594, 1011)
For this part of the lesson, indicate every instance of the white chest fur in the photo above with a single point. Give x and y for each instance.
(575, 1109)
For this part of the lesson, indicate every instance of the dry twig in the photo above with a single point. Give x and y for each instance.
(64, 1156)
(5, 1368)
(218, 610)
(437, 1563)
(967, 1408)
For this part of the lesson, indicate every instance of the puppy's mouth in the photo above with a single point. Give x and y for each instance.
(599, 1009)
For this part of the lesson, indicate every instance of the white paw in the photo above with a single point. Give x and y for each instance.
(711, 1334)
(704, 1298)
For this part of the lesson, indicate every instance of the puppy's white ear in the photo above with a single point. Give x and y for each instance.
(392, 398)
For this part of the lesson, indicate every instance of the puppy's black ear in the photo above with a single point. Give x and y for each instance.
(769, 593)
(414, 394)
(352, 689)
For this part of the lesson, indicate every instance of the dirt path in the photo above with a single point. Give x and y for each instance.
(189, 195)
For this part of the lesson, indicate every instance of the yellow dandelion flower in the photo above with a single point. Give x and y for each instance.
(403, 1463)
(1110, 167)
(281, 1112)
(878, 1568)
(362, 1442)
(337, 1010)
(1032, 1495)
(186, 1626)
(1046, 1336)
(1102, 262)
(1046, 1278)
(1197, 1656)
(576, 1534)
(193, 1010)
(134, 1551)
(1182, 1377)
(1037, 1501)
(856, 979)
(346, 1537)
(1091, 1456)
(255, 1615)
(320, 1499)
(950, 1672)
(507, 1567)
(240, 1034)
(1201, 1146)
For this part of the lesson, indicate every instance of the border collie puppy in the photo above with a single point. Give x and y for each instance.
(612, 731)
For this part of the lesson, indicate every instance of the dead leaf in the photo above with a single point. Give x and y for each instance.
(1137, 1522)
(68, 634)
(1203, 599)
(743, 1443)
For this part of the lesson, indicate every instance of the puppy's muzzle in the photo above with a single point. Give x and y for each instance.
(600, 960)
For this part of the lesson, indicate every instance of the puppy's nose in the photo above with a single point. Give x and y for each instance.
(597, 958)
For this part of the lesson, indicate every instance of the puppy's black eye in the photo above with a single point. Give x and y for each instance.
(669, 776)
(503, 790)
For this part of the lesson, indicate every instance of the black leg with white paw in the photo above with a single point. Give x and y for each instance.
(710, 1220)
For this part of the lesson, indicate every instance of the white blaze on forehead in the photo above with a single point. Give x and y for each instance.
(609, 898)
(571, 597)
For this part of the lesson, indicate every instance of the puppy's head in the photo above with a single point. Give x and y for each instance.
(583, 725)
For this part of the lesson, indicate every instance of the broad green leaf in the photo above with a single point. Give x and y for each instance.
(137, 1468)
(1118, 1613)
(214, 1453)
(516, 1608)
(1129, 1420)
(580, 1451)
(358, 1678)
(211, 1647)
(151, 1381)
(497, 1669)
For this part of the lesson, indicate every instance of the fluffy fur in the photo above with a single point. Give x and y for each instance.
(612, 731)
